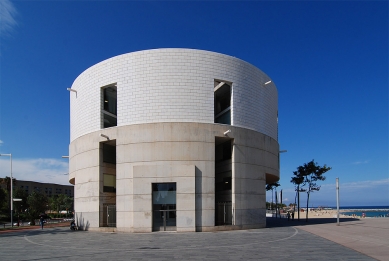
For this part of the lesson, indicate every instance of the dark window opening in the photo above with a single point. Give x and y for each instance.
(223, 181)
(110, 100)
(107, 216)
(109, 121)
(223, 150)
(109, 108)
(222, 102)
(227, 183)
(109, 153)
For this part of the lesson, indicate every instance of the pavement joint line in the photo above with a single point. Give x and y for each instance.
(169, 249)
(355, 238)
(345, 245)
(255, 244)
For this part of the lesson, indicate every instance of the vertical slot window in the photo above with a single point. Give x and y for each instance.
(222, 102)
(108, 182)
(223, 181)
(109, 106)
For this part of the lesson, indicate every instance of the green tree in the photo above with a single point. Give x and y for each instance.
(20, 206)
(7, 182)
(307, 176)
(292, 205)
(3, 203)
(53, 203)
(36, 205)
(67, 202)
(272, 186)
(60, 202)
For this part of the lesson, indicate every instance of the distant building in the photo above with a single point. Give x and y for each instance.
(48, 189)
(172, 139)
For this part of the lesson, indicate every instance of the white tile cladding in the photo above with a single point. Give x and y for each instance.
(173, 85)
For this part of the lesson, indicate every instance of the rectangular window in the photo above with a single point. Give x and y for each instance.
(164, 193)
(109, 108)
(109, 153)
(109, 183)
(222, 102)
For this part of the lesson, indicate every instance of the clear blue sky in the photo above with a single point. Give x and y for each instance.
(329, 61)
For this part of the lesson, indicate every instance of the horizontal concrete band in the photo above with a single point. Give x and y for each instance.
(253, 149)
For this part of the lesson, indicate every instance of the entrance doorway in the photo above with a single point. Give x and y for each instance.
(164, 207)
(224, 213)
(109, 215)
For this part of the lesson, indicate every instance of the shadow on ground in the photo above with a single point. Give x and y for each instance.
(51, 228)
(283, 222)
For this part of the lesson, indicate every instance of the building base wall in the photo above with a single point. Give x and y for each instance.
(182, 153)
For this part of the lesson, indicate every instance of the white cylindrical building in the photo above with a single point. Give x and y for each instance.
(172, 139)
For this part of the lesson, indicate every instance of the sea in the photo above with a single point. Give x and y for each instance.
(369, 211)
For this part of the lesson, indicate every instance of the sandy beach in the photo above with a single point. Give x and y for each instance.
(323, 214)
(319, 214)
(332, 213)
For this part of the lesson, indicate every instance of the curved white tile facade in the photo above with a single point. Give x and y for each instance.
(173, 85)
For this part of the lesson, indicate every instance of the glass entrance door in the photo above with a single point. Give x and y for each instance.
(164, 206)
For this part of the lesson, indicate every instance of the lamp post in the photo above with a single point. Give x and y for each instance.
(298, 201)
(276, 202)
(279, 152)
(337, 201)
(11, 196)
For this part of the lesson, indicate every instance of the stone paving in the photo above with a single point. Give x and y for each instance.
(277, 242)
(369, 236)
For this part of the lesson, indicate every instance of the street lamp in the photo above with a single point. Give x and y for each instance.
(11, 199)
(279, 152)
(337, 201)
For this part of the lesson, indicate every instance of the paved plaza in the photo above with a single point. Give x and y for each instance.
(369, 236)
(282, 240)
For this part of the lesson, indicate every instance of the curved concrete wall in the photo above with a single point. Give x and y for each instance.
(173, 85)
(174, 152)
